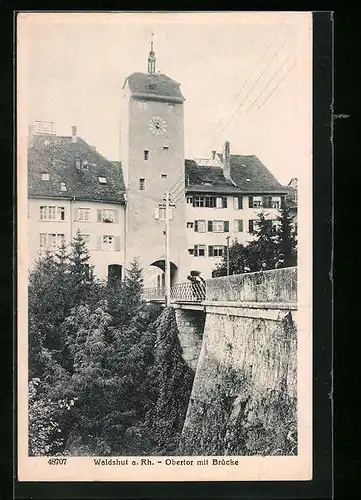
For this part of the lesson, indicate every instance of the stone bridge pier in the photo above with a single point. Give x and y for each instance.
(190, 325)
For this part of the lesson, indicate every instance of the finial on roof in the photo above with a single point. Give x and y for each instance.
(151, 57)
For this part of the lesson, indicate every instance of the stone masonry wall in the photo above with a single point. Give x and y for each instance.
(244, 396)
(190, 326)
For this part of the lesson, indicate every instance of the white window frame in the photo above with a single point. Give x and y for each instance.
(218, 249)
(108, 245)
(218, 226)
(276, 202)
(202, 247)
(202, 224)
(257, 202)
(108, 215)
(81, 214)
(45, 176)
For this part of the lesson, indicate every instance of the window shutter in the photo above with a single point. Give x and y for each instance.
(116, 216)
(99, 242)
(219, 202)
(240, 226)
(196, 226)
(76, 214)
(250, 226)
(210, 251)
(224, 201)
(226, 226)
(210, 225)
(195, 250)
(117, 243)
(240, 202)
(99, 215)
(236, 225)
(250, 201)
(235, 203)
(156, 213)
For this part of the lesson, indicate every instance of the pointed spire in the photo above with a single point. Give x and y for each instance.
(151, 57)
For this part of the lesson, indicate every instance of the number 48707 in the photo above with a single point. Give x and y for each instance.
(57, 461)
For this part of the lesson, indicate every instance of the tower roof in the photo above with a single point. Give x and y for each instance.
(157, 86)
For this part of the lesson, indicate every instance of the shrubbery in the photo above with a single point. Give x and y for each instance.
(106, 376)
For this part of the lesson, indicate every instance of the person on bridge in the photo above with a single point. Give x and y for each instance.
(198, 285)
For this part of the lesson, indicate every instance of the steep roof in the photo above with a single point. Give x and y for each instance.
(57, 156)
(260, 178)
(248, 174)
(153, 86)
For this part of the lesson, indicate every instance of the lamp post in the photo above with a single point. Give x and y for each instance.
(227, 255)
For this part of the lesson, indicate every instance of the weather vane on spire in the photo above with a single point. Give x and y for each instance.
(151, 57)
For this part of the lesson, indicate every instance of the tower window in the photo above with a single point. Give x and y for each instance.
(146, 154)
(164, 176)
(142, 184)
(165, 148)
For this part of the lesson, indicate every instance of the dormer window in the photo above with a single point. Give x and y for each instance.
(102, 180)
(248, 180)
(62, 186)
(44, 177)
(85, 165)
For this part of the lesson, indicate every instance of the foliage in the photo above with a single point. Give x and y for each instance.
(270, 241)
(98, 380)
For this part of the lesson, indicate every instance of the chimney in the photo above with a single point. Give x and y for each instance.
(73, 133)
(214, 155)
(227, 160)
(31, 135)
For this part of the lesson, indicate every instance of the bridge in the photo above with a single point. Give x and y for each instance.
(276, 287)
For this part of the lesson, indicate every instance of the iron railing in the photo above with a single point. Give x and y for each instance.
(188, 292)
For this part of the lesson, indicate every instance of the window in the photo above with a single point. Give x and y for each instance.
(146, 154)
(276, 202)
(218, 226)
(200, 226)
(142, 184)
(237, 202)
(171, 108)
(189, 199)
(165, 148)
(162, 213)
(215, 251)
(44, 177)
(61, 213)
(164, 176)
(204, 201)
(199, 250)
(107, 215)
(114, 272)
(108, 241)
(257, 201)
(52, 213)
(62, 186)
(251, 225)
(102, 180)
(84, 214)
(191, 251)
(143, 105)
(85, 238)
(238, 226)
(85, 165)
(51, 240)
(221, 202)
(190, 225)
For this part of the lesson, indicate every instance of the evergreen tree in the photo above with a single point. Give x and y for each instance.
(264, 247)
(237, 259)
(286, 236)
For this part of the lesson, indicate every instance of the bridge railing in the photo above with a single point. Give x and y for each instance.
(275, 285)
(187, 292)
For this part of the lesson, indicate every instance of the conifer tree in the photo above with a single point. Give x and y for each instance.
(287, 243)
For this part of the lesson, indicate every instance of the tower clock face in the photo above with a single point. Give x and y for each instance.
(157, 125)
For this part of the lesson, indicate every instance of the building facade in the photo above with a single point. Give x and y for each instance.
(71, 188)
(224, 197)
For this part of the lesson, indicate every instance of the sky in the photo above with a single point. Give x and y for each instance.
(246, 78)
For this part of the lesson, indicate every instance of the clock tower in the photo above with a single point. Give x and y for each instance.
(152, 156)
